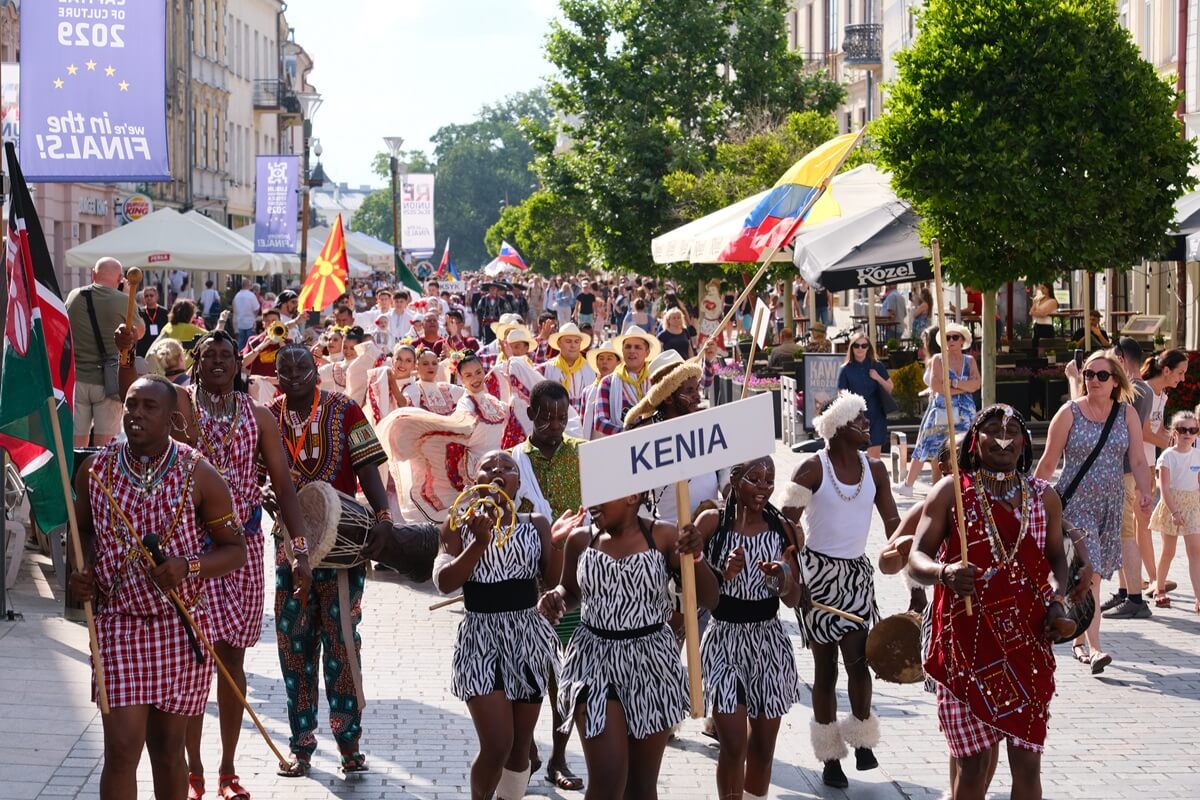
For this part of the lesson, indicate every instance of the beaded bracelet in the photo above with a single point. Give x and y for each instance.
(383, 516)
(193, 562)
(299, 545)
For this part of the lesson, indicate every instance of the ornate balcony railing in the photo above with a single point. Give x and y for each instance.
(863, 46)
(275, 95)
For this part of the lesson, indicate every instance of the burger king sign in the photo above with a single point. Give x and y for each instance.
(135, 207)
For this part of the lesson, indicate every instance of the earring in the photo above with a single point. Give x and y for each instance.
(178, 428)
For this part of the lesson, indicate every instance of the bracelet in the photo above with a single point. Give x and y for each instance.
(942, 574)
(193, 562)
(383, 516)
(299, 545)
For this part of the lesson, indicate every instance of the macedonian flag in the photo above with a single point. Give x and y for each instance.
(327, 280)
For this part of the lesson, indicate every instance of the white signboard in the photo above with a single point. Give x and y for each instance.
(416, 213)
(676, 450)
(759, 325)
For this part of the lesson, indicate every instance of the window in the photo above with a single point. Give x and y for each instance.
(216, 31)
(1172, 31)
(215, 161)
(202, 153)
(1148, 29)
(831, 26)
(808, 31)
(202, 27)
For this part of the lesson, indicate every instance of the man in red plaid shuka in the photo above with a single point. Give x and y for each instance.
(994, 668)
(154, 678)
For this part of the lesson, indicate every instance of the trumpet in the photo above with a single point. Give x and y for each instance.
(277, 332)
(483, 495)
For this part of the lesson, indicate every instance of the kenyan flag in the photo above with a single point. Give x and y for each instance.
(35, 327)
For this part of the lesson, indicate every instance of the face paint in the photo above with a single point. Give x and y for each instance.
(1003, 443)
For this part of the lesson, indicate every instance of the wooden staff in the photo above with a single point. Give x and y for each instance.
(837, 612)
(77, 550)
(445, 603)
(134, 279)
(179, 604)
(691, 623)
(958, 497)
(755, 333)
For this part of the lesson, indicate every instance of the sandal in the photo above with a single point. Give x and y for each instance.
(1099, 661)
(231, 789)
(563, 778)
(195, 786)
(354, 762)
(298, 767)
(1161, 600)
(1080, 651)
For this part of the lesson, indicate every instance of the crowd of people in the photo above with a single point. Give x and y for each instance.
(455, 417)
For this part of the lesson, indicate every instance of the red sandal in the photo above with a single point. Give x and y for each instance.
(1162, 600)
(231, 788)
(195, 786)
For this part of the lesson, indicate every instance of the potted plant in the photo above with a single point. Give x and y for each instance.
(891, 345)
(1160, 341)
(907, 384)
(1051, 390)
(1004, 346)
(1013, 388)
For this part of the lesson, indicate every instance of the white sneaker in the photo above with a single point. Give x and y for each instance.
(902, 489)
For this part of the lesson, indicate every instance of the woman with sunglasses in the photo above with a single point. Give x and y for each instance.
(861, 374)
(1178, 511)
(953, 340)
(1097, 502)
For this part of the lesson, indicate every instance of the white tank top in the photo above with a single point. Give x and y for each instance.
(834, 525)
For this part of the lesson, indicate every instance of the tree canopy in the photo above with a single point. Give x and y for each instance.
(547, 233)
(1033, 139)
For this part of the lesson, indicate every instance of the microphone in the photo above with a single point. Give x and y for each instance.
(151, 542)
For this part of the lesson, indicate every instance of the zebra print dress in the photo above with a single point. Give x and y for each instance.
(510, 651)
(624, 649)
(748, 662)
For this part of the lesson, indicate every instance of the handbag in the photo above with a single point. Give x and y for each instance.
(889, 404)
(112, 384)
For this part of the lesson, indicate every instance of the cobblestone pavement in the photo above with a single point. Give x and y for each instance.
(1131, 731)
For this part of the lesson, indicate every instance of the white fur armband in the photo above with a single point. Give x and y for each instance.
(796, 496)
(440, 563)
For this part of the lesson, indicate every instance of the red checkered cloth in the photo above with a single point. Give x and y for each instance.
(235, 600)
(966, 734)
(231, 445)
(147, 662)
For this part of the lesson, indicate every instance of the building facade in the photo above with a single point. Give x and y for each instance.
(844, 38)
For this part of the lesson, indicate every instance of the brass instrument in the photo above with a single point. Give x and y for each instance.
(277, 332)
(485, 497)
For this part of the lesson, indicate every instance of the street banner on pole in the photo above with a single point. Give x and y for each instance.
(416, 214)
(93, 91)
(10, 109)
(276, 204)
(676, 450)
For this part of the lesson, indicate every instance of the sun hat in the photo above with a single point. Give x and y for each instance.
(570, 329)
(668, 371)
(594, 354)
(954, 327)
(636, 332)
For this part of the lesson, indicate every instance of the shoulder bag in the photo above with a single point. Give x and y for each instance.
(1092, 456)
(107, 363)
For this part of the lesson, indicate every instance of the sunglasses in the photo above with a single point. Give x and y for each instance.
(1187, 431)
(954, 337)
(861, 346)
(1102, 376)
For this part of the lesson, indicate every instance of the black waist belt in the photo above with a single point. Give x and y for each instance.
(731, 609)
(632, 633)
(492, 598)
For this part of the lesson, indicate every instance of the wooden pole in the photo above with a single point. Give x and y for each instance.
(942, 320)
(1087, 313)
(77, 550)
(749, 365)
(445, 603)
(691, 623)
(133, 279)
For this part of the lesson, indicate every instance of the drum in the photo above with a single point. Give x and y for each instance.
(894, 648)
(410, 550)
(1082, 612)
(339, 526)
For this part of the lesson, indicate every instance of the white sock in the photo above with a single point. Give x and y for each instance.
(748, 796)
(512, 785)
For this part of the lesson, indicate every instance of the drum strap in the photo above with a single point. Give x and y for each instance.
(343, 582)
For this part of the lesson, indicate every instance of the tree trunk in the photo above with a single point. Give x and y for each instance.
(987, 349)
(1181, 305)
(789, 319)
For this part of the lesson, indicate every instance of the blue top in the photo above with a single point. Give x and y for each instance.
(854, 377)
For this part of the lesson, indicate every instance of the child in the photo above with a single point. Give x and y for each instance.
(1178, 511)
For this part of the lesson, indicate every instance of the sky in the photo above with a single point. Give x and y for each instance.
(408, 67)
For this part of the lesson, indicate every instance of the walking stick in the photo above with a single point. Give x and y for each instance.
(191, 623)
(77, 551)
(134, 278)
(958, 496)
(445, 603)
(691, 622)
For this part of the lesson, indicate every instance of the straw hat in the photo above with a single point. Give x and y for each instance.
(518, 334)
(570, 329)
(506, 322)
(954, 327)
(592, 355)
(635, 332)
(668, 371)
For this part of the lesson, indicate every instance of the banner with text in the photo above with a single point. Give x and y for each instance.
(416, 214)
(820, 383)
(277, 189)
(676, 450)
(93, 91)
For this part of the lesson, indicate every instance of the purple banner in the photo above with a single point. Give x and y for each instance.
(93, 91)
(276, 204)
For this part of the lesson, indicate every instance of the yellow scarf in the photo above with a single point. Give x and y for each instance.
(568, 372)
(643, 374)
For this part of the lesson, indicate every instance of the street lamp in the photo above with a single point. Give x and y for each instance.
(394, 143)
(309, 103)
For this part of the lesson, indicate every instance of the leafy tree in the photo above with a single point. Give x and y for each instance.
(410, 161)
(374, 216)
(645, 87)
(547, 232)
(1033, 139)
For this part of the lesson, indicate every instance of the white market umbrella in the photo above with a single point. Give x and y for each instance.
(264, 263)
(165, 240)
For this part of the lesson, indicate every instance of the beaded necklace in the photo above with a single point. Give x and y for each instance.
(202, 400)
(1001, 555)
(862, 478)
(147, 475)
(1002, 485)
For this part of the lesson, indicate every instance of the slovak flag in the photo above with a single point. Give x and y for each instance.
(447, 265)
(777, 216)
(509, 255)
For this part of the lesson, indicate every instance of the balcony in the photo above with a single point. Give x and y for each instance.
(275, 95)
(863, 46)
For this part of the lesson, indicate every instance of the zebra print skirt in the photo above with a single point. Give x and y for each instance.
(512, 651)
(847, 584)
(645, 675)
(750, 663)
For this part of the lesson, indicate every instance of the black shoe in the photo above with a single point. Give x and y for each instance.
(864, 759)
(1129, 610)
(1112, 602)
(833, 776)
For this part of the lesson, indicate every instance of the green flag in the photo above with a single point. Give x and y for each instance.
(405, 276)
